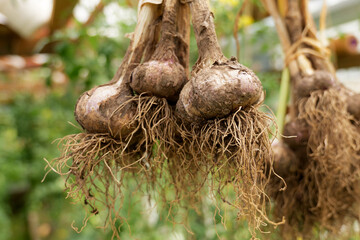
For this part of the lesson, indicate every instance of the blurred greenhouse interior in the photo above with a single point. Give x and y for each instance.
(51, 51)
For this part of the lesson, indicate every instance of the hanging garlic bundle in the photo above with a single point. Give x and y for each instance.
(322, 189)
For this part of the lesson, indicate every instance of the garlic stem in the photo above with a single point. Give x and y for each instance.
(183, 29)
(282, 33)
(283, 100)
(310, 24)
(305, 65)
(165, 49)
(283, 7)
(147, 14)
(204, 28)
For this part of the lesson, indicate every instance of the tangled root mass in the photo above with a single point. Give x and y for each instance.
(324, 189)
(236, 152)
(95, 165)
(333, 151)
(163, 154)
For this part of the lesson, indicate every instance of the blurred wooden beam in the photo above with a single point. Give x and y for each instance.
(10, 89)
(11, 43)
(7, 36)
(15, 62)
(348, 61)
(62, 12)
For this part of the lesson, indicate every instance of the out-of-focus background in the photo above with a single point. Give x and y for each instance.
(53, 50)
